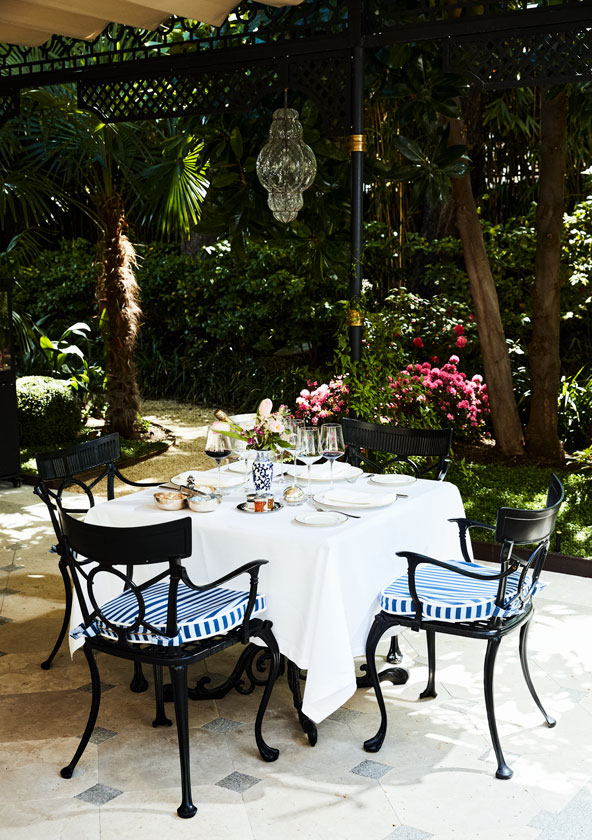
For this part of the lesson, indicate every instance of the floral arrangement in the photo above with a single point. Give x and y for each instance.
(267, 433)
(420, 390)
(325, 402)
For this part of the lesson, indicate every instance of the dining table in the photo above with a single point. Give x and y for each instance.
(322, 581)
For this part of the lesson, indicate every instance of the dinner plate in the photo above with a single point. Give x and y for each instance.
(320, 518)
(321, 472)
(209, 477)
(353, 500)
(393, 479)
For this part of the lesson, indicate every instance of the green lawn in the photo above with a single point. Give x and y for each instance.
(485, 488)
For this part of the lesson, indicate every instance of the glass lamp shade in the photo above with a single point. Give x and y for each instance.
(286, 166)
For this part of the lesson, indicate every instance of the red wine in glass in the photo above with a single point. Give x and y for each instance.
(217, 447)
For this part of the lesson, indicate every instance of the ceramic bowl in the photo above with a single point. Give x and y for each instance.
(170, 500)
(202, 504)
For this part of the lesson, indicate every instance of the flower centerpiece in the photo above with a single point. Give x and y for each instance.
(266, 438)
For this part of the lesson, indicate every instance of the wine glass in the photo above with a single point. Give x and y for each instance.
(310, 451)
(291, 436)
(332, 445)
(217, 447)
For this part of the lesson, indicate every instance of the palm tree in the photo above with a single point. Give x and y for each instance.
(150, 172)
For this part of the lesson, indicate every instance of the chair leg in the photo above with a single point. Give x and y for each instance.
(179, 680)
(526, 671)
(267, 753)
(66, 772)
(161, 719)
(394, 655)
(503, 771)
(430, 689)
(139, 682)
(374, 636)
(67, 613)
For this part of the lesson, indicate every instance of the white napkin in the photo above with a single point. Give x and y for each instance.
(352, 497)
(323, 471)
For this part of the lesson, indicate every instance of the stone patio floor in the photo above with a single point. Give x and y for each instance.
(433, 778)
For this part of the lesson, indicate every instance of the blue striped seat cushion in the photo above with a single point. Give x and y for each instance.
(448, 596)
(199, 614)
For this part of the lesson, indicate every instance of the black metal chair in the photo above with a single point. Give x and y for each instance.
(363, 439)
(464, 598)
(166, 621)
(57, 472)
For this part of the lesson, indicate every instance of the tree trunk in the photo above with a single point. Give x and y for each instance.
(496, 360)
(542, 438)
(118, 295)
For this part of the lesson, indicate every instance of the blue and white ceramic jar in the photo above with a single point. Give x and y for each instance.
(263, 470)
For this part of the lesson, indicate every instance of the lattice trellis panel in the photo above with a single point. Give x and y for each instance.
(542, 58)
(219, 90)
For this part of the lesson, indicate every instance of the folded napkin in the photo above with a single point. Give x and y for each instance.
(322, 472)
(353, 497)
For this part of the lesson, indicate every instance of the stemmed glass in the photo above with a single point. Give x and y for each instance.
(217, 447)
(332, 445)
(310, 451)
(293, 428)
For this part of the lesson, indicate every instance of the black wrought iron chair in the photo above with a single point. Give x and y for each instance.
(364, 440)
(464, 598)
(57, 472)
(166, 621)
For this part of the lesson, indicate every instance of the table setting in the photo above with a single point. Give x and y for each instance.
(329, 552)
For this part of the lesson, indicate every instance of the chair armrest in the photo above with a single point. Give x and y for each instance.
(443, 471)
(463, 529)
(125, 480)
(252, 569)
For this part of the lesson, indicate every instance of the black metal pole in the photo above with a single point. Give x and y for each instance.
(357, 199)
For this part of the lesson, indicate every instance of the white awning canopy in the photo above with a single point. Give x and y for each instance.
(32, 22)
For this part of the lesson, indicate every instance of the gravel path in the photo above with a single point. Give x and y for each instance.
(189, 425)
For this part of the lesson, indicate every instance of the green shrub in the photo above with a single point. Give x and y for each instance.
(48, 411)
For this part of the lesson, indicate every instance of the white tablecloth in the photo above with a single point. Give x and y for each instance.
(322, 584)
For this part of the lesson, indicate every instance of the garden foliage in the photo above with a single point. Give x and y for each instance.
(49, 412)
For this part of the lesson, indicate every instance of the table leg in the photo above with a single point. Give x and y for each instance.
(308, 726)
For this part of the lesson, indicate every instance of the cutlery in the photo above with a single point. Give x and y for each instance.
(350, 515)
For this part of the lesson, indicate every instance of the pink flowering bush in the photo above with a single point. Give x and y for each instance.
(438, 396)
(324, 402)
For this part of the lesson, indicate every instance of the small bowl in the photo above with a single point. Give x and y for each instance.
(202, 504)
(170, 500)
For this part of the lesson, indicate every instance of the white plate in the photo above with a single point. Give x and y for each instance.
(208, 477)
(321, 472)
(354, 501)
(393, 479)
(321, 518)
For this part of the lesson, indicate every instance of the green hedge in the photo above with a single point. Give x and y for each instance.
(49, 413)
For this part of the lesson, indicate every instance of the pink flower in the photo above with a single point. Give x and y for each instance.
(265, 407)
(461, 341)
(471, 317)
(459, 329)
(417, 341)
(454, 360)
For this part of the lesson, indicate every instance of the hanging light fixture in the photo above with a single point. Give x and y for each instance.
(286, 166)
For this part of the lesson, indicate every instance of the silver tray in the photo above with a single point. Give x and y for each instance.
(243, 508)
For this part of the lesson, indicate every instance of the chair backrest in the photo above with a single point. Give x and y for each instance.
(519, 527)
(402, 443)
(96, 549)
(60, 468)
(65, 463)
(525, 527)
